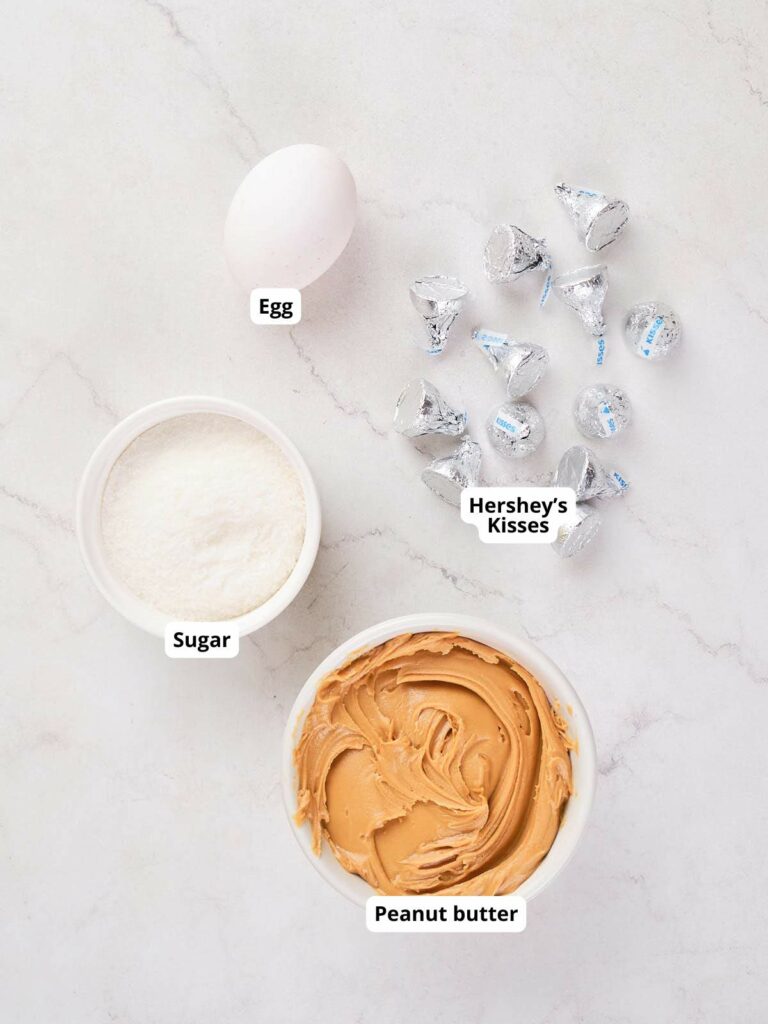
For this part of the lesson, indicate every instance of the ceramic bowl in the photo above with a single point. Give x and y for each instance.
(557, 688)
(89, 498)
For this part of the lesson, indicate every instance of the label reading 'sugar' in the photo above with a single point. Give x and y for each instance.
(201, 640)
(518, 515)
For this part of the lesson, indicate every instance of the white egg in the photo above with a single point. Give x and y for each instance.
(290, 218)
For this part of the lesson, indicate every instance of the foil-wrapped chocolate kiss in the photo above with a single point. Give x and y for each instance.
(439, 300)
(511, 252)
(584, 291)
(450, 474)
(580, 469)
(421, 409)
(522, 363)
(599, 219)
(572, 537)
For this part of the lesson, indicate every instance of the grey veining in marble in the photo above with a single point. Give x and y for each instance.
(147, 873)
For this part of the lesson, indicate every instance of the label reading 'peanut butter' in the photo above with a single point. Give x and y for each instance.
(445, 914)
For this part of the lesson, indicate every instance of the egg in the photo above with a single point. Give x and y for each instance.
(290, 219)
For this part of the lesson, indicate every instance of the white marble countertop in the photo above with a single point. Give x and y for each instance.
(147, 872)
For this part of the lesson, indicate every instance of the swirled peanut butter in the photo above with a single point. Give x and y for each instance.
(433, 764)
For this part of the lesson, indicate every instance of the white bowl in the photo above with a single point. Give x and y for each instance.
(556, 686)
(89, 498)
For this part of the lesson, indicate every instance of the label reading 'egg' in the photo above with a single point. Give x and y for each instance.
(276, 305)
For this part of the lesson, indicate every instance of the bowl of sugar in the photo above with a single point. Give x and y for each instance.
(198, 509)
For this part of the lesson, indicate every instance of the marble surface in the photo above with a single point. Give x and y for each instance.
(147, 872)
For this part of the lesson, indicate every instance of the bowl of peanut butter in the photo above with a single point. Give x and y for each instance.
(438, 754)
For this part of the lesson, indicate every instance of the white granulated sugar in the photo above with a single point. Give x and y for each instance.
(203, 517)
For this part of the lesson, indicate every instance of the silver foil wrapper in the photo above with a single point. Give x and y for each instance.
(602, 410)
(580, 469)
(521, 363)
(652, 330)
(449, 475)
(584, 291)
(421, 409)
(439, 300)
(510, 252)
(515, 429)
(577, 534)
(599, 219)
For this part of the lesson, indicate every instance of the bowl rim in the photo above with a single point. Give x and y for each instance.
(94, 479)
(556, 686)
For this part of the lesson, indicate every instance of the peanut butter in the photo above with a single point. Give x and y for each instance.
(433, 764)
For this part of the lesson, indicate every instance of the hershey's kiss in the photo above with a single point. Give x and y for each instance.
(575, 535)
(580, 469)
(515, 429)
(450, 474)
(602, 410)
(421, 409)
(652, 330)
(584, 291)
(599, 219)
(439, 300)
(522, 363)
(511, 252)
